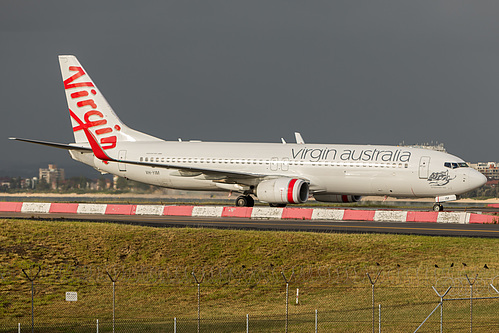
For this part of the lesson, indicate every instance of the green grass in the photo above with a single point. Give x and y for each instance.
(242, 275)
(49, 243)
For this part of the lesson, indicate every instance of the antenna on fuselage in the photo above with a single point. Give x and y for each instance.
(299, 139)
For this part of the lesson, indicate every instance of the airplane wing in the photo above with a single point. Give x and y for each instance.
(188, 171)
(222, 176)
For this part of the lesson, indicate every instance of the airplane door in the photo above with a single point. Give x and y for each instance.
(122, 156)
(274, 164)
(424, 167)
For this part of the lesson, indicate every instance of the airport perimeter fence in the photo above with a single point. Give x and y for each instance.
(299, 299)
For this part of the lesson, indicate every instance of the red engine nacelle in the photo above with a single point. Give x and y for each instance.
(336, 198)
(283, 191)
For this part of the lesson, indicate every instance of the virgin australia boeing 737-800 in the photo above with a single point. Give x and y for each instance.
(275, 173)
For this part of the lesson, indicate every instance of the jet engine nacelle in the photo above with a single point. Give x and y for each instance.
(336, 198)
(282, 191)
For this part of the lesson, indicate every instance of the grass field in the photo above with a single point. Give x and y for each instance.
(242, 276)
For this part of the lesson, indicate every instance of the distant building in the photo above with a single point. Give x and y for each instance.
(53, 176)
(5, 182)
(488, 169)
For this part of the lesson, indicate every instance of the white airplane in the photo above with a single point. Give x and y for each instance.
(275, 173)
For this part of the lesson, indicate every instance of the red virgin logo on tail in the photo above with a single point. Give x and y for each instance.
(92, 118)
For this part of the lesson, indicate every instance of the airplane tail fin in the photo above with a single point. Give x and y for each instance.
(92, 118)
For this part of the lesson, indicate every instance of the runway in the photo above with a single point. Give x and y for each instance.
(408, 228)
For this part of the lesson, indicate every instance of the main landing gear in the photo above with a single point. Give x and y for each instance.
(245, 201)
(438, 207)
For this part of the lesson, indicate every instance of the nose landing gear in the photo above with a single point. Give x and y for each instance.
(438, 207)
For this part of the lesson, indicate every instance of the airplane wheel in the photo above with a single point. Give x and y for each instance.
(438, 207)
(277, 205)
(241, 201)
(245, 201)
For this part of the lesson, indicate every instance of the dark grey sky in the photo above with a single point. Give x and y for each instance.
(377, 72)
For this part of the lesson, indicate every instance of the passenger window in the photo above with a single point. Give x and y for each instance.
(141, 159)
(146, 159)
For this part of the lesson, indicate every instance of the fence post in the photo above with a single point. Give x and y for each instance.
(372, 292)
(440, 304)
(114, 293)
(315, 320)
(97, 325)
(287, 296)
(32, 296)
(379, 319)
(247, 322)
(471, 299)
(199, 297)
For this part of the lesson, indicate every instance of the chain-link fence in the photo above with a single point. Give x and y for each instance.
(299, 299)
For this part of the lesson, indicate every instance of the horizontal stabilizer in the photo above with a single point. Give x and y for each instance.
(56, 145)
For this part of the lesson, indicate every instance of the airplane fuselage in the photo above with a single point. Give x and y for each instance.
(336, 169)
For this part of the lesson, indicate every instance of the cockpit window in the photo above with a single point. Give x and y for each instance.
(454, 165)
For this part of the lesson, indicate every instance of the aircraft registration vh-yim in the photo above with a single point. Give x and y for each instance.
(275, 173)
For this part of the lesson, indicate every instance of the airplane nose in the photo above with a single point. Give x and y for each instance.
(476, 179)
